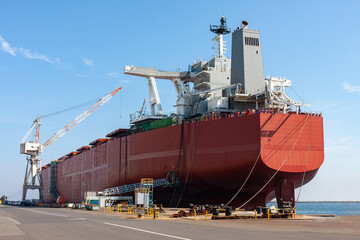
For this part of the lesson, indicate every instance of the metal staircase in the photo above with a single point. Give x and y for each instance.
(131, 187)
(146, 183)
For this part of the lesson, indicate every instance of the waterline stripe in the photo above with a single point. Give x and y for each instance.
(141, 230)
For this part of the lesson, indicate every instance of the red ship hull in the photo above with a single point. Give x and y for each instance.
(212, 159)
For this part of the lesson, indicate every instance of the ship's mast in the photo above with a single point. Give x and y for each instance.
(220, 31)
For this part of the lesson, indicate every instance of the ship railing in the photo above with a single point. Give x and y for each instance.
(220, 115)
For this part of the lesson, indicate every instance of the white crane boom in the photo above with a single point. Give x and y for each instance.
(77, 120)
(28, 133)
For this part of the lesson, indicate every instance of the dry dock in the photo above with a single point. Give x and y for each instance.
(45, 223)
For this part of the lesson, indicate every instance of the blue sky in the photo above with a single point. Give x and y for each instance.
(58, 54)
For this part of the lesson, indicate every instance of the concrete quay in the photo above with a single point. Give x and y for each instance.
(59, 223)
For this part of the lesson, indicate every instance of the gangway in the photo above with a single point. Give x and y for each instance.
(147, 184)
(131, 187)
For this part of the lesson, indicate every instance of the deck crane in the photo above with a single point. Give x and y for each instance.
(33, 178)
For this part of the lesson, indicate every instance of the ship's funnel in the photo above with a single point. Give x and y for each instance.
(244, 24)
(246, 60)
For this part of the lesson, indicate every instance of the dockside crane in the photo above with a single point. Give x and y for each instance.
(33, 178)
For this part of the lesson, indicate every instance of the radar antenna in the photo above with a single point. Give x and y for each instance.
(220, 31)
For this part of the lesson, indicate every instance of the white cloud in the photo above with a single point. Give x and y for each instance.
(26, 53)
(340, 144)
(350, 88)
(88, 62)
(79, 75)
(5, 46)
(112, 74)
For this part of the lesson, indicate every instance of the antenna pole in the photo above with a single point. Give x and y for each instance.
(220, 30)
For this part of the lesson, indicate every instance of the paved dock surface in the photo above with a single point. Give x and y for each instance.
(51, 223)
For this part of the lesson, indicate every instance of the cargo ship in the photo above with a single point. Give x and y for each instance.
(236, 138)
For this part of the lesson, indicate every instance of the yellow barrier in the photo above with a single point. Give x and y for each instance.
(195, 214)
(238, 209)
(255, 214)
(156, 206)
(206, 214)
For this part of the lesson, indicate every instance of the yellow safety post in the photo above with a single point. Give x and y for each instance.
(134, 212)
(195, 215)
(294, 213)
(268, 214)
(155, 214)
(206, 215)
(147, 213)
(255, 214)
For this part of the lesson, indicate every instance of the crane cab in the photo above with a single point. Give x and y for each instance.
(30, 148)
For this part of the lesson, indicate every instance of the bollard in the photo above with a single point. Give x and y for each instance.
(215, 212)
(195, 214)
(206, 214)
(268, 214)
(228, 211)
(147, 214)
(255, 214)
(294, 213)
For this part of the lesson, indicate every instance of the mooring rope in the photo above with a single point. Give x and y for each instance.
(306, 162)
(253, 167)
(279, 167)
(175, 190)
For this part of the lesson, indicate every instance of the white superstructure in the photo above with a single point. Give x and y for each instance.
(221, 84)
